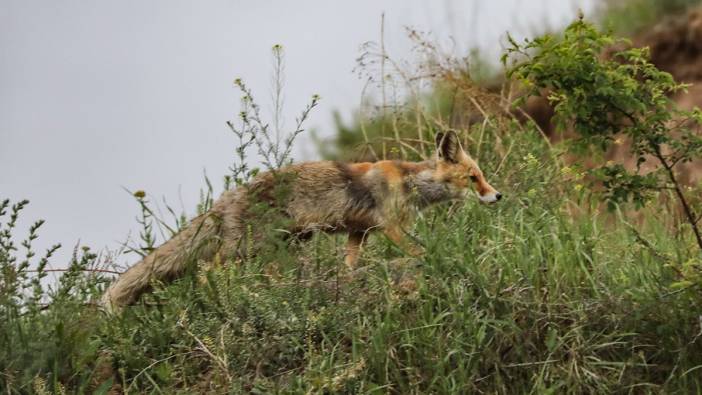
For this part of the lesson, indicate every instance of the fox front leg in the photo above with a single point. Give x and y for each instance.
(353, 248)
(397, 236)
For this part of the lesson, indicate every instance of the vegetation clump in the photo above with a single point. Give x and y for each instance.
(545, 292)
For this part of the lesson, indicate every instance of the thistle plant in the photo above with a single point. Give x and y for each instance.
(603, 98)
(17, 276)
(272, 143)
(145, 220)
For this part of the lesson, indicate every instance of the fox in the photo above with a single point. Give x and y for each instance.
(328, 196)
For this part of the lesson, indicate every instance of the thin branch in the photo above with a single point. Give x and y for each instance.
(691, 217)
(656, 149)
(80, 270)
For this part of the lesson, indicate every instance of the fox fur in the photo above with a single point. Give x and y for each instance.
(328, 196)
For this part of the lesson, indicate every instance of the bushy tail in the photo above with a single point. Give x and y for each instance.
(200, 240)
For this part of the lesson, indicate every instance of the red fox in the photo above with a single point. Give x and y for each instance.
(328, 196)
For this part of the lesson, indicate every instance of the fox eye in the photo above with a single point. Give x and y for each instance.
(474, 178)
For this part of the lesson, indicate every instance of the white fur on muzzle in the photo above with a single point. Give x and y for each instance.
(490, 197)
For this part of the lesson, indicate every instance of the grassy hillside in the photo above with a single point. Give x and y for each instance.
(545, 292)
(631, 17)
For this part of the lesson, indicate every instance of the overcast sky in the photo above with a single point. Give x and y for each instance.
(100, 95)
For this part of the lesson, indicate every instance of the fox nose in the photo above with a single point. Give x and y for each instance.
(498, 196)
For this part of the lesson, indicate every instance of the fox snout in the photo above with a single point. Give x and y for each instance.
(491, 197)
(486, 193)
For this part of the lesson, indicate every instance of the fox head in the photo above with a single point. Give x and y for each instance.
(459, 172)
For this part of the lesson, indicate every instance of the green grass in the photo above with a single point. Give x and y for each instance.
(545, 292)
(538, 294)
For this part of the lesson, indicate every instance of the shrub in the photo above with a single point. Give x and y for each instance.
(603, 98)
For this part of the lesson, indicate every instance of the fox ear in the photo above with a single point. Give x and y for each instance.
(448, 148)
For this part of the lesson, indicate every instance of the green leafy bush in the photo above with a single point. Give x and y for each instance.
(622, 94)
(46, 331)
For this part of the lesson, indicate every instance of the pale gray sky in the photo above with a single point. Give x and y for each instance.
(100, 95)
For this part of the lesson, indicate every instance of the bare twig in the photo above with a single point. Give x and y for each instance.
(82, 270)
